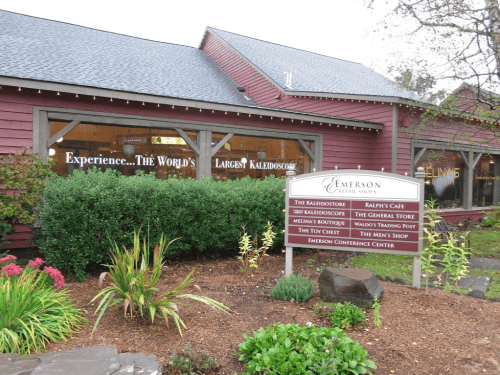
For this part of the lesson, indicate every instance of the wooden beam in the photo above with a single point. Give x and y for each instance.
(62, 132)
(188, 140)
(476, 159)
(465, 158)
(307, 150)
(418, 156)
(221, 143)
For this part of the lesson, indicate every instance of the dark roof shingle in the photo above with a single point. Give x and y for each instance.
(312, 72)
(44, 50)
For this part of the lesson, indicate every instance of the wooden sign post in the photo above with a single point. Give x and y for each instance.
(355, 210)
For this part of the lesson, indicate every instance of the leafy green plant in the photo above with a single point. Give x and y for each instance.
(250, 254)
(32, 311)
(340, 315)
(190, 363)
(295, 288)
(493, 218)
(288, 349)
(376, 312)
(134, 284)
(432, 242)
(24, 173)
(5, 230)
(310, 262)
(454, 250)
(455, 261)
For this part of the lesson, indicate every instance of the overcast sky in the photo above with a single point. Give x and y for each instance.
(337, 28)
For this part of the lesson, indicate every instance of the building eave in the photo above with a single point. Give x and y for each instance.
(162, 100)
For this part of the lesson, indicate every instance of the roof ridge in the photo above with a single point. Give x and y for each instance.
(94, 29)
(281, 45)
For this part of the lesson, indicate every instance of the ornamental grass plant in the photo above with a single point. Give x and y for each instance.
(295, 288)
(134, 281)
(33, 308)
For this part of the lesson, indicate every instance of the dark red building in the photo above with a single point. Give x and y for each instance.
(233, 107)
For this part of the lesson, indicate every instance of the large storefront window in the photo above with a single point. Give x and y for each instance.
(486, 186)
(258, 157)
(126, 149)
(169, 152)
(444, 180)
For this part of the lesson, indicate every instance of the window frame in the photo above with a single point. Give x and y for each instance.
(204, 150)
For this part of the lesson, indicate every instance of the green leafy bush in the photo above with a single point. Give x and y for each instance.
(5, 230)
(454, 250)
(22, 177)
(134, 285)
(81, 212)
(295, 288)
(287, 349)
(190, 363)
(340, 315)
(32, 311)
(492, 218)
(252, 256)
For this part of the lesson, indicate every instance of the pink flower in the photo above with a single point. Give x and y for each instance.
(8, 257)
(55, 275)
(12, 269)
(35, 263)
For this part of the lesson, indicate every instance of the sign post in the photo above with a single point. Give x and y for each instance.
(355, 210)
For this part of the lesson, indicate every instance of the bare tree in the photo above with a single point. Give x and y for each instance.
(455, 42)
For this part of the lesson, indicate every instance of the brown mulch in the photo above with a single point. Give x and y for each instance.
(434, 333)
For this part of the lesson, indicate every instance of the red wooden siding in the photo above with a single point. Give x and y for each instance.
(16, 119)
(16, 123)
(266, 94)
(443, 131)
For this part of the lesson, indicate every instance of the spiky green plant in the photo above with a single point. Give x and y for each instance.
(32, 313)
(134, 282)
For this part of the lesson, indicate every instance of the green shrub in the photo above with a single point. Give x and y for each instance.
(134, 285)
(295, 288)
(24, 173)
(492, 218)
(83, 211)
(340, 315)
(32, 311)
(5, 230)
(191, 363)
(287, 349)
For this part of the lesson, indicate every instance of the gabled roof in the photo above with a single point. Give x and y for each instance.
(43, 50)
(311, 72)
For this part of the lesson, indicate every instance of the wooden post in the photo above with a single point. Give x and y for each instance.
(289, 250)
(417, 266)
(204, 159)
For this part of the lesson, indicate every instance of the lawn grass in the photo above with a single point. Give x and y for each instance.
(386, 264)
(484, 243)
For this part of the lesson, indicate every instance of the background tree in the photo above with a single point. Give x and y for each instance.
(440, 44)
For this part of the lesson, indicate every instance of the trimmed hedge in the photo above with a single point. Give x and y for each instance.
(82, 213)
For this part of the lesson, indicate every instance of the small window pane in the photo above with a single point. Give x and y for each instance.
(258, 157)
(486, 187)
(444, 179)
(126, 149)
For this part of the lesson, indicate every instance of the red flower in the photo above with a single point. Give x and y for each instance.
(8, 257)
(35, 263)
(12, 269)
(55, 275)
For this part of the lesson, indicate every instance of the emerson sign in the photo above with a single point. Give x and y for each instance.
(355, 211)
